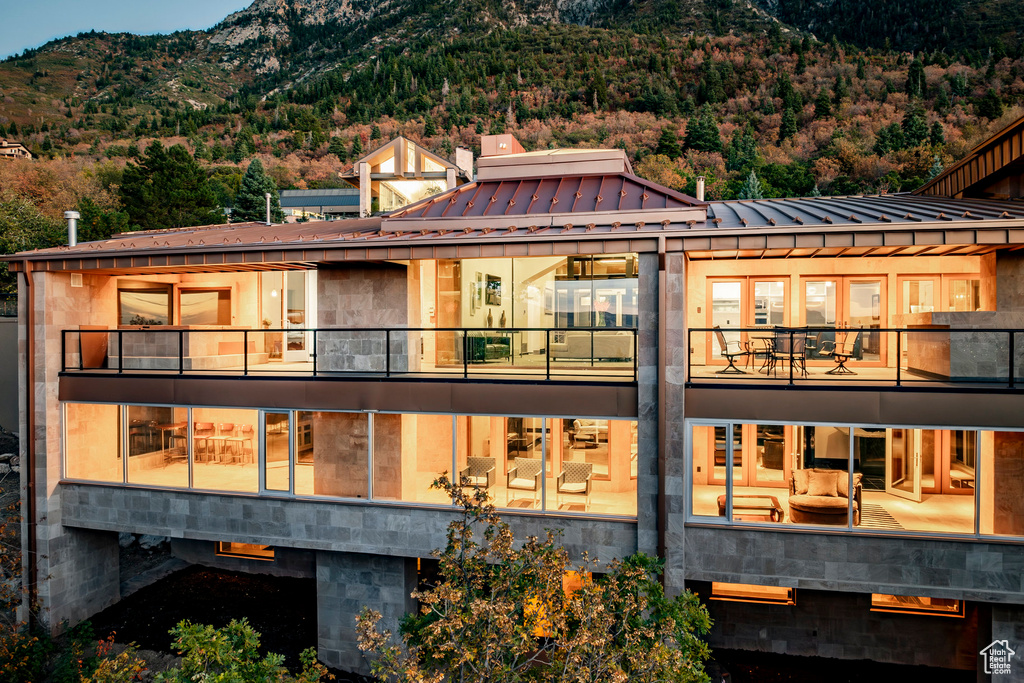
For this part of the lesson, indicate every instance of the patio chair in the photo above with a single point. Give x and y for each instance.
(525, 476)
(478, 473)
(730, 350)
(789, 347)
(842, 350)
(201, 438)
(575, 481)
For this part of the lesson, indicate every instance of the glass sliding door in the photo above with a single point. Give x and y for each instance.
(299, 313)
(864, 306)
(726, 311)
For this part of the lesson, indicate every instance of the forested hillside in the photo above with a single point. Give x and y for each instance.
(686, 87)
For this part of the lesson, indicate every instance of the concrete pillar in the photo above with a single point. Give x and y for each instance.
(345, 584)
(450, 180)
(365, 201)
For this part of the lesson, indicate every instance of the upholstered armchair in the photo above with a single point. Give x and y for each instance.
(478, 472)
(525, 476)
(575, 481)
(822, 496)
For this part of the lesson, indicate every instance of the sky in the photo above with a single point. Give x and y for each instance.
(31, 23)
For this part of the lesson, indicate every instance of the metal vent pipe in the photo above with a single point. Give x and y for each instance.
(72, 218)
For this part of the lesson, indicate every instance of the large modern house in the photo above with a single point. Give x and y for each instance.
(810, 408)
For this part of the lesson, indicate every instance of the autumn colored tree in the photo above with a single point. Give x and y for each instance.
(502, 612)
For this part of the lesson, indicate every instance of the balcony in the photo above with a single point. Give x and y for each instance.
(593, 355)
(940, 356)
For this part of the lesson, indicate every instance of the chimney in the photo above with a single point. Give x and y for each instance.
(496, 145)
(267, 195)
(700, 188)
(72, 218)
(464, 161)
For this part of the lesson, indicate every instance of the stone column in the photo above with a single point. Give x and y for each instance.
(76, 570)
(1008, 625)
(365, 195)
(676, 479)
(345, 584)
(647, 410)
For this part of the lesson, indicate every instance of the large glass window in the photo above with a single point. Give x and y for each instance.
(158, 446)
(585, 465)
(92, 442)
(331, 454)
(205, 306)
(224, 449)
(143, 303)
(934, 481)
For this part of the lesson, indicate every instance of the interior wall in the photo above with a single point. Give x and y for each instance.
(340, 452)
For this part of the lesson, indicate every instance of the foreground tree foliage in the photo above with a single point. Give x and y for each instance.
(506, 612)
(231, 655)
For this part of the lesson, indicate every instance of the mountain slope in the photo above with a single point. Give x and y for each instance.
(907, 24)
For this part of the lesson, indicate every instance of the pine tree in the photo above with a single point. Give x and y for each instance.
(751, 188)
(429, 127)
(936, 168)
(168, 189)
(743, 151)
(815, 192)
(337, 148)
(668, 144)
(915, 128)
(375, 132)
(937, 136)
(990, 106)
(788, 128)
(251, 202)
(702, 134)
(840, 91)
(915, 79)
(822, 105)
(941, 100)
(357, 147)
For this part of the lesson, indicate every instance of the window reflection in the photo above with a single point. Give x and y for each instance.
(158, 446)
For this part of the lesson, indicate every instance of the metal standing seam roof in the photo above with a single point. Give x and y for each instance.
(812, 215)
(896, 210)
(551, 195)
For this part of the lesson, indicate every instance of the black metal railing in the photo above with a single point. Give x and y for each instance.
(886, 356)
(568, 353)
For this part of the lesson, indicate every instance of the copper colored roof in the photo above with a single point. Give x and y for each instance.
(580, 194)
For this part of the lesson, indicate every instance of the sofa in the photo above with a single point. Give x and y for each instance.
(819, 496)
(605, 345)
(484, 346)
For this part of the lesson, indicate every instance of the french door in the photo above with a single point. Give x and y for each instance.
(905, 456)
(759, 455)
(848, 302)
(745, 302)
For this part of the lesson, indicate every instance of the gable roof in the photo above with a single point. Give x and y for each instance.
(396, 149)
(548, 201)
(988, 158)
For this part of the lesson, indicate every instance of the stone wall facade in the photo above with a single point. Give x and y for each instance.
(842, 626)
(348, 582)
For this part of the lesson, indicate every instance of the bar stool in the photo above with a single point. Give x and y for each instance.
(245, 436)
